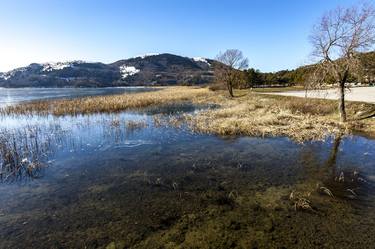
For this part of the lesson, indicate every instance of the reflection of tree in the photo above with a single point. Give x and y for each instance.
(347, 183)
(317, 168)
(331, 162)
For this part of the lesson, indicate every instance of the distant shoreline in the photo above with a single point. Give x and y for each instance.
(89, 87)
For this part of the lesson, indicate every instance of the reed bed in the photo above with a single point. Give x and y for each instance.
(249, 113)
(23, 153)
(113, 103)
(297, 118)
(264, 122)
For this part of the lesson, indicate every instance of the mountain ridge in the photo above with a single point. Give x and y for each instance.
(147, 70)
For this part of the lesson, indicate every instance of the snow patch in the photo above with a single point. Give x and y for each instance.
(145, 55)
(127, 71)
(10, 74)
(201, 59)
(51, 66)
(3, 76)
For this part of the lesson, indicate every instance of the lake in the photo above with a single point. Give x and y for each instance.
(141, 179)
(10, 96)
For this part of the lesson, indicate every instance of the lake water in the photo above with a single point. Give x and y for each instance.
(137, 180)
(10, 96)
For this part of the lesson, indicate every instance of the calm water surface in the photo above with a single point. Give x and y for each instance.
(132, 180)
(9, 96)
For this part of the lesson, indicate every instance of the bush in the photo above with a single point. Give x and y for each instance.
(217, 87)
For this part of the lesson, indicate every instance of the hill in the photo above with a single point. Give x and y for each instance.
(157, 69)
(299, 75)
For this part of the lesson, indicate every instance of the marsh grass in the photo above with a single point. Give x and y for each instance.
(259, 115)
(310, 107)
(133, 125)
(113, 103)
(249, 113)
(23, 154)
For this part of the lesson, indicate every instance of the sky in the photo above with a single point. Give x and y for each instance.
(272, 34)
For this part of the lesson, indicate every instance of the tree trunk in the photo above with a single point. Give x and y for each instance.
(230, 89)
(342, 108)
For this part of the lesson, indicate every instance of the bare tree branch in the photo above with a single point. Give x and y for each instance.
(337, 40)
(230, 72)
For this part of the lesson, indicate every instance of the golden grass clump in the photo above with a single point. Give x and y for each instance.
(265, 115)
(113, 103)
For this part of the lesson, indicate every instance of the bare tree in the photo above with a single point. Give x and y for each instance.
(230, 72)
(337, 40)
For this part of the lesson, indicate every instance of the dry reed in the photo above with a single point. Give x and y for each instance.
(113, 103)
(249, 113)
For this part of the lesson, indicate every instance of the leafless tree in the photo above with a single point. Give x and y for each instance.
(338, 39)
(230, 71)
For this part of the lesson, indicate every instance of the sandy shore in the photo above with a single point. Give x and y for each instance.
(363, 94)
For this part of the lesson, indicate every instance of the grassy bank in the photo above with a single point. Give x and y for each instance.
(278, 89)
(266, 115)
(249, 113)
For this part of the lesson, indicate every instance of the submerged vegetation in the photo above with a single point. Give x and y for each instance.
(168, 193)
(132, 180)
(23, 153)
(220, 166)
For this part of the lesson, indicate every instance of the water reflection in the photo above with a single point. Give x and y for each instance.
(123, 179)
(10, 96)
(331, 162)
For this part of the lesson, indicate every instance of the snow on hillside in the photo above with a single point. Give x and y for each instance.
(128, 71)
(145, 55)
(201, 59)
(4, 76)
(51, 66)
(9, 74)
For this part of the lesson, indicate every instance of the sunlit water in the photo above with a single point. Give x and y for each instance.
(108, 181)
(9, 96)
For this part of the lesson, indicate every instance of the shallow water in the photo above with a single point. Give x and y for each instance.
(9, 96)
(130, 181)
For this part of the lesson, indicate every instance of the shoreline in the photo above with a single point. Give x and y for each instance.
(249, 113)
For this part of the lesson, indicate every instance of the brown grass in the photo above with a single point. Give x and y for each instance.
(277, 89)
(264, 115)
(114, 103)
(250, 113)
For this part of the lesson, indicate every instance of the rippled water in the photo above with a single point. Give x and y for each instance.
(130, 180)
(10, 96)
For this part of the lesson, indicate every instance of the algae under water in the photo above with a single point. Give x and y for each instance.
(110, 183)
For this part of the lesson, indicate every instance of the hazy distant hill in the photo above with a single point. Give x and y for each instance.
(157, 69)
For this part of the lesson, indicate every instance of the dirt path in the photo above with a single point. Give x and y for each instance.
(363, 94)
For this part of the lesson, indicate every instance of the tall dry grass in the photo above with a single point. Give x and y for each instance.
(249, 113)
(113, 103)
(265, 115)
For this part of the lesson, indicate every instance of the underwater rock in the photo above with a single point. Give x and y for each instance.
(115, 245)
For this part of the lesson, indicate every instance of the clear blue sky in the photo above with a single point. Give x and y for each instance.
(272, 34)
